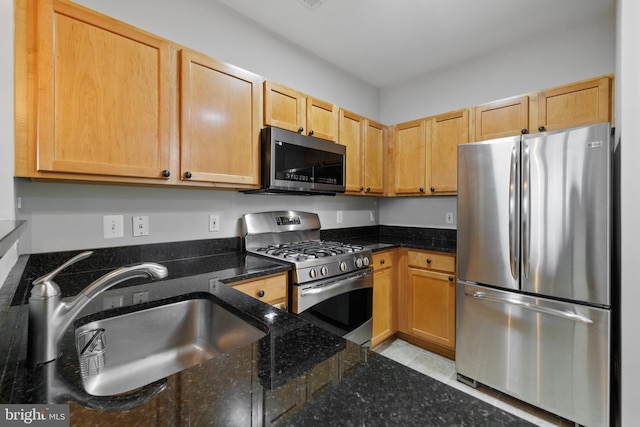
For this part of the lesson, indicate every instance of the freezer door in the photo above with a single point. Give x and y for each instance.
(550, 354)
(488, 212)
(566, 214)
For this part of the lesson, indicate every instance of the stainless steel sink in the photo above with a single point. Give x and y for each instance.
(122, 353)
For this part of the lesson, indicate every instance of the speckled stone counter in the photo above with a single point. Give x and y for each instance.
(296, 375)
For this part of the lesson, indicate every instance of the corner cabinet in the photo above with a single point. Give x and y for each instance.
(289, 109)
(220, 116)
(384, 296)
(430, 298)
(366, 147)
(101, 92)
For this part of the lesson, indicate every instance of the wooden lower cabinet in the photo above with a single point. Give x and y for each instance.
(270, 289)
(384, 297)
(426, 300)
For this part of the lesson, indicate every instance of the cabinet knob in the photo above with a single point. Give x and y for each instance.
(541, 128)
(428, 260)
(368, 189)
(284, 308)
(166, 173)
(524, 131)
(260, 293)
(300, 129)
(361, 188)
(382, 261)
(422, 189)
(451, 278)
(187, 174)
(311, 132)
(433, 189)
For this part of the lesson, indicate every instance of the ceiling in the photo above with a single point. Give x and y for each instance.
(384, 42)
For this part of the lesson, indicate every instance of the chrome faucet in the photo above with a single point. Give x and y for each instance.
(49, 316)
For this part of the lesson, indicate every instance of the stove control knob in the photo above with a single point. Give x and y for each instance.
(359, 262)
(365, 261)
(324, 270)
(343, 266)
(313, 273)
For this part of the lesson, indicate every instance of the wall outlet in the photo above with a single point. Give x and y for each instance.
(339, 217)
(113, 226)
(214, 222)
(140, 297)
(140, 226)
(112, 302)
(449, 217)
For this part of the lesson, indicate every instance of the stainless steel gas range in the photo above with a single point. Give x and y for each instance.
(331, 283)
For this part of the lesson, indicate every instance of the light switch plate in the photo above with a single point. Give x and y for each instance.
(140, 226)
(113, 226)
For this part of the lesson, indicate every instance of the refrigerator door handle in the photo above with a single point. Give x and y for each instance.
(558, 313)
(526, 209)
(513, 212)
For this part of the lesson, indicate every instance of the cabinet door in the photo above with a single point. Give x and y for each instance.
(322, 119)
(508, 117)
(431, 306)
(103, 95)
(284, 108)
(383, 303)
(576, 104)
(448, 131)
(410, 153)
(374, 157)
(351, 136)
(220, 121)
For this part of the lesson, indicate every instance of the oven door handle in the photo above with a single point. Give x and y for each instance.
(338, 283)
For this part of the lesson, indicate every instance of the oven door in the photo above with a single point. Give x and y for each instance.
(342, 305)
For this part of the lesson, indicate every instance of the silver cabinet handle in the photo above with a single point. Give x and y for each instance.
(514, 194)
(559, 313)
(333, 285)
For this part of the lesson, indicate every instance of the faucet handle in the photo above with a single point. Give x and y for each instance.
(44, 286)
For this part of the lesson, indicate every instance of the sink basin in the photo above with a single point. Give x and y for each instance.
(124, 352)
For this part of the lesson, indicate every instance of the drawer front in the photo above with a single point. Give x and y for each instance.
(382, 260)
(432, 261)
(267, 289)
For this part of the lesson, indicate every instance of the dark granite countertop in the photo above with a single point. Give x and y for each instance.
(298, 374)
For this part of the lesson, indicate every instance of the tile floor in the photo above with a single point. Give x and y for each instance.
(443, 369)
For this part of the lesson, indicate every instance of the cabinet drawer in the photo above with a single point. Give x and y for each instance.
(382, 260)
(431, 261)
(268, 289)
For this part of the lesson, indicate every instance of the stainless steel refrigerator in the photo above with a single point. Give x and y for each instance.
(533, 299)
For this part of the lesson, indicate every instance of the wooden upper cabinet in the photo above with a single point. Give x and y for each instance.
(577, 104)
(448, 131)
(289, 109)
(352, 136)
(102, 95)
(284, 108)
(375, 149)
(322, 119)
(410, 156)
(220, 116)
(366, 146)
(498, 119)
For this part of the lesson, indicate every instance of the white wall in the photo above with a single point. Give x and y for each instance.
(69, 216)
(216, 30)
(553, 58)
(7, 205)
(628, 107)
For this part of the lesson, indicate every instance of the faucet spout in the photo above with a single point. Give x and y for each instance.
(49, 316)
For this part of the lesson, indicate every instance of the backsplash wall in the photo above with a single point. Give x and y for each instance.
(69, 216)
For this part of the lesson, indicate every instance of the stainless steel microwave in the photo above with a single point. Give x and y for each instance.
(300, 164)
